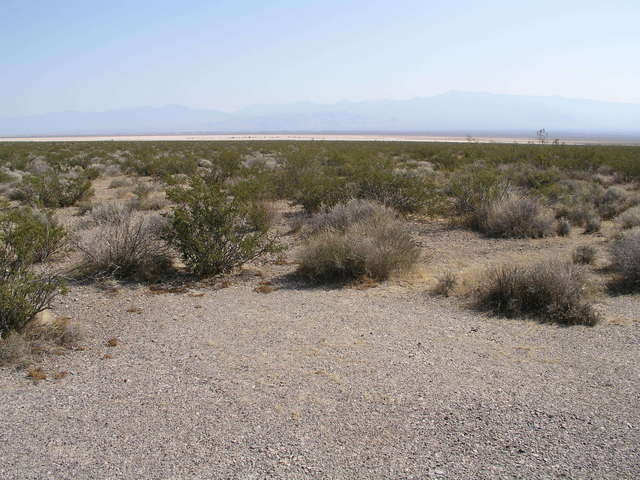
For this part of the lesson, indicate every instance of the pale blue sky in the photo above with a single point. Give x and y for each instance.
(98, 55)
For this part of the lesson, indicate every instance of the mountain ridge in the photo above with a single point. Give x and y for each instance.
(471, 112)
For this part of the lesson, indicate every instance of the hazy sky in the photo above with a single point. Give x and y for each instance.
(98, 55)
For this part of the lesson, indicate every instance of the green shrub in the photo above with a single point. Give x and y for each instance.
(551, 291)
(316, 191)
(33, 235)
(475, 187)
(23, 291)
(55, 190)
(375, 246)
(214, 232)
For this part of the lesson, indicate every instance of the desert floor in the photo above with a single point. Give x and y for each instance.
(217, 380)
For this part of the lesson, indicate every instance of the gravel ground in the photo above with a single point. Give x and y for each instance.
(317, 383)
(386, 382)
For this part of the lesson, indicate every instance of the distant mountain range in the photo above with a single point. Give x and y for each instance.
(453, 112)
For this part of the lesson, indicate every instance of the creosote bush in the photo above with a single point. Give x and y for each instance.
(625, 258)
(34, 236)
(55, 189)
(549, 291)
(214, 232)
(345, 248)
(24, 290)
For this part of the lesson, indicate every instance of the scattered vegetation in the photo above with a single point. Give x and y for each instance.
(223, 199)
(549, 291)
(345, 248)
(514, 216)
(213, 232)
(124, 245)
(31, 235)
(629, 218)
(625, 256)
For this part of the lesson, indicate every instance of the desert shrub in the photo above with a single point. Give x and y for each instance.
(112, 212)
(23, 291)
(629, 218)
(153, 201)
(592, 224)
(514, 216)
(214, 232)
(625, 258)
(613, 201)
(375, 246)
(263, 214)
(112, 170)
(343, 215)
(119, 183)
(475, 187)
(14, 349)
(584, 255)
(124, 245)
(34, 236)
(55, 190)
(563, 228)
(37, 336)
(549, 291)
(406, 192)
(537, 180)
(315, 191)
(446, 284)
(225, 165)
(576, 214)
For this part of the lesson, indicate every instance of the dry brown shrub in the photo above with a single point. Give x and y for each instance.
(549, 291)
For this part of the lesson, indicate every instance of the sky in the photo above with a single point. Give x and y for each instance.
(60, 55)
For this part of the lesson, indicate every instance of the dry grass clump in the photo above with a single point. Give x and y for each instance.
(584, 255)
(153, 201)
(41, 335)
(549, 291)
(375, 246)
(446, 284)
(625, 259)
(515, 216)
(124, 245)
(120, 182)
(629, 218)
(343, 215)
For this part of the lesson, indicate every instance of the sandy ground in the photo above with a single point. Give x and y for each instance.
(309, 137)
